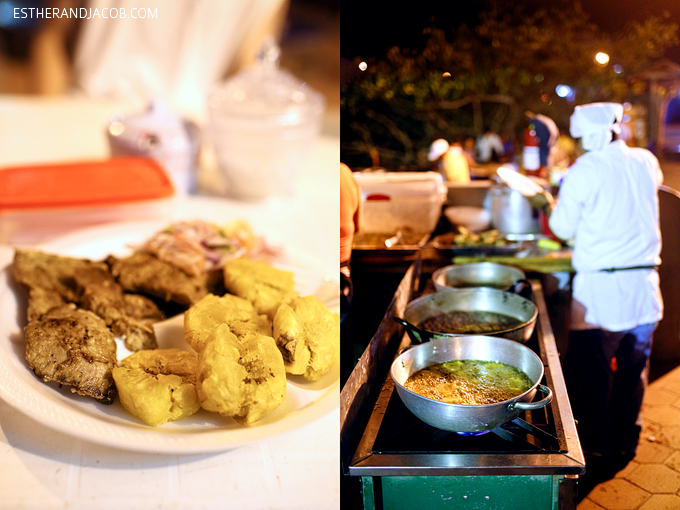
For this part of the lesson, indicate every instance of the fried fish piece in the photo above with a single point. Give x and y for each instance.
(141, 307)
(244, 379)
(41, 301)
(265, 286)
(239, 314)
(158, 386)
(144, 272)
(308, 336)
(56, 273)
(74, 347)
(55, 280)
(99, 292)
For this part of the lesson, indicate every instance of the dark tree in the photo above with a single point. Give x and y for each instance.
(469, 77)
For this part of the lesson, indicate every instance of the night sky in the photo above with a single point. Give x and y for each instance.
(371, 27)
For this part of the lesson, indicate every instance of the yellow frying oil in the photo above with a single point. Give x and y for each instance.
(469, 382)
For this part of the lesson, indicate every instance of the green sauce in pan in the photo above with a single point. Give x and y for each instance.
(469, 382)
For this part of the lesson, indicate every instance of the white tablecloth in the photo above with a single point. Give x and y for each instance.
(43, 469)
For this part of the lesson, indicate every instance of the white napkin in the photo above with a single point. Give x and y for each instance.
(175, 53)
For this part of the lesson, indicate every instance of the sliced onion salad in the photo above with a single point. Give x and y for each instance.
(198, 246)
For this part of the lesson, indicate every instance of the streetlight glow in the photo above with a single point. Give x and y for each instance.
(602, 58)
(563, 90)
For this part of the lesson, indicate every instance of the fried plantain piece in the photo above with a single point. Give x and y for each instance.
(99, 292)
(244, 379)
(158, 386)
(265, 286)
(73, 347)
(145, 273)
(308, 336)
(239, 314)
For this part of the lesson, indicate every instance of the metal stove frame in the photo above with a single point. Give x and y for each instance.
(537, 480)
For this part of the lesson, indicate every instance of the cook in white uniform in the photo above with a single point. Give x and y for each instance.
(489, 147)
(608, 203)
(452, 160)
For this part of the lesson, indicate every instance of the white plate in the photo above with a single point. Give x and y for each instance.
(111, 425)
(525, 185)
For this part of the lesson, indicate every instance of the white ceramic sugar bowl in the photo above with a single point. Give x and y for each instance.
(162, 136)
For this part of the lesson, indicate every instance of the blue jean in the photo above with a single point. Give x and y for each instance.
(606, 399)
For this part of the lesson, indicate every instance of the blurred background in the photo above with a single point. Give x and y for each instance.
(227, 95)
(67, 55)
(451, 70)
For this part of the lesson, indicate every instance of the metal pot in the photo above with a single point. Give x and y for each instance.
(469, 300)
(469, 418)
(511, 212)
(480, 274)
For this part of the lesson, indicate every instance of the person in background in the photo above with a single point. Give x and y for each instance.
(350, 214)
(489, 147)
(608, 204)
(469, 150)
(564, 153)
(350, 204)
(547, 133)
(508, 147)
(451, 160)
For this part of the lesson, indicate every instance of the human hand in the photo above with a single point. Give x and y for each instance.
(542, 201)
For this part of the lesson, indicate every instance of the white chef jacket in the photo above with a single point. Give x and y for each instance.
(608, 202)
(486, 144)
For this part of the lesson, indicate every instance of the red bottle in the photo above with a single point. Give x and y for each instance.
(530, 137)
(531, 158)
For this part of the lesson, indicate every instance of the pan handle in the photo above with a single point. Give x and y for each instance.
(402, 322)
(522, 288)
(417, 335)
(530, 406)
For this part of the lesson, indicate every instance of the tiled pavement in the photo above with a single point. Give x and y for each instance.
(651, 481)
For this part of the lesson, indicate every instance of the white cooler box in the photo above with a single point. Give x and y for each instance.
(400, 200)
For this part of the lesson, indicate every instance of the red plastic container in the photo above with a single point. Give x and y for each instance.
(39, 202)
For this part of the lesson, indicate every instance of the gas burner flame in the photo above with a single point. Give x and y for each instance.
(473, 433)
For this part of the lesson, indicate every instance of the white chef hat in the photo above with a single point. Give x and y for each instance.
(438, 149)
(594, 123)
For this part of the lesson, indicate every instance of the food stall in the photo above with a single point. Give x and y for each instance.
(400, 459)
(393, 458)
(480, 220)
